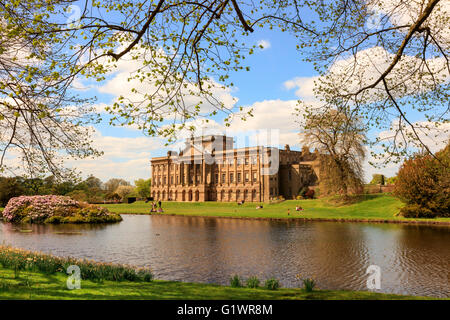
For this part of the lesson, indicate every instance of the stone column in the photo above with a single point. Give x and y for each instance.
(195, 173)
(204, 171)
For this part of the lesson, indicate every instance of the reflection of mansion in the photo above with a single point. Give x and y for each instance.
(209, 169)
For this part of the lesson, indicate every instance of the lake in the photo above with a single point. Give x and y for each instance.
(413, 259)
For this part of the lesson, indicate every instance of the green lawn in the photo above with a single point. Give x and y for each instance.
(374, 207)
(31, 285)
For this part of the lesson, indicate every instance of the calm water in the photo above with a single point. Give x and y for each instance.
(413, 259)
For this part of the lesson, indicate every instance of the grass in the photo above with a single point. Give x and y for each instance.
(373, 207)
(33, 285)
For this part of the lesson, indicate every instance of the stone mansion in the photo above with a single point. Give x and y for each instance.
(210, 169)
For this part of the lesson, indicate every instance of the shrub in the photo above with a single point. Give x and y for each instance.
(55, 209)
(302, 192)
(235, 281)
(309, 194)
(253, 282)
(416, 211)
(308, 284)
(423, 182)
(272, 284)
(378, 178)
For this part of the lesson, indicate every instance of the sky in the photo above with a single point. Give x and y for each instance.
(277, 79)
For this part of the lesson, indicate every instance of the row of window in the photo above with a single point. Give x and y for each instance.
(239, 161)
(163, 179)
(194, 195)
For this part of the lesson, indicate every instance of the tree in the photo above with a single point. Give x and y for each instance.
(423, 182)
(143, 187)
(79, 195)
(124, 191)
(388, 60)
(112, 184)
(185, 51)
(41, 120)
(378, 179)
(339, 139)
(391, 180)
(9, 188)
(94, 183)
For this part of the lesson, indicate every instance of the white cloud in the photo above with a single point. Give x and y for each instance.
(346, 76)
(436, 138)
(304, 85)
(127, 158)
(402, 12)
(139, 92)
(270, 115)
(434, 135)
(264, 44)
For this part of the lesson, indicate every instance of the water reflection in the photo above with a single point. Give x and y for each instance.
(413, 259)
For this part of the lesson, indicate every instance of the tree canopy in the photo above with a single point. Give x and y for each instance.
(380, 58)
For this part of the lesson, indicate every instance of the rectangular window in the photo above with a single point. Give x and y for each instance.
(223, 177)
(246, 177)
(171, 180)
(231, 178)
(246, 160)
(254, 176)
(290, 175)
(216, 178)
(239, 177)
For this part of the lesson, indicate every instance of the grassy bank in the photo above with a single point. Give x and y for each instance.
(33, 285)
(376, 207)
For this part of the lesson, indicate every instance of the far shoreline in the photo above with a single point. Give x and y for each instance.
(379, 221)
(374, 208)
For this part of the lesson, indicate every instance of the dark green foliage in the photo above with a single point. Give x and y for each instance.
(235, 281)
(272, 284)
(309, 284)
(423, 182)
(416, 211)
(378, 179)
(253, 282)
(10, 188)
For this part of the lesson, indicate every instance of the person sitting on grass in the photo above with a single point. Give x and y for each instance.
(160, 210)
(298, 208)
(259, 207)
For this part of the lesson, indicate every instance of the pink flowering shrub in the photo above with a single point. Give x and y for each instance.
(55, 209)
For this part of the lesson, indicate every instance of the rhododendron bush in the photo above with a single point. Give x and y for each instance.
(55, 209)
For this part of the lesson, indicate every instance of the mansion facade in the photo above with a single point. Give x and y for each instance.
(210, 169)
